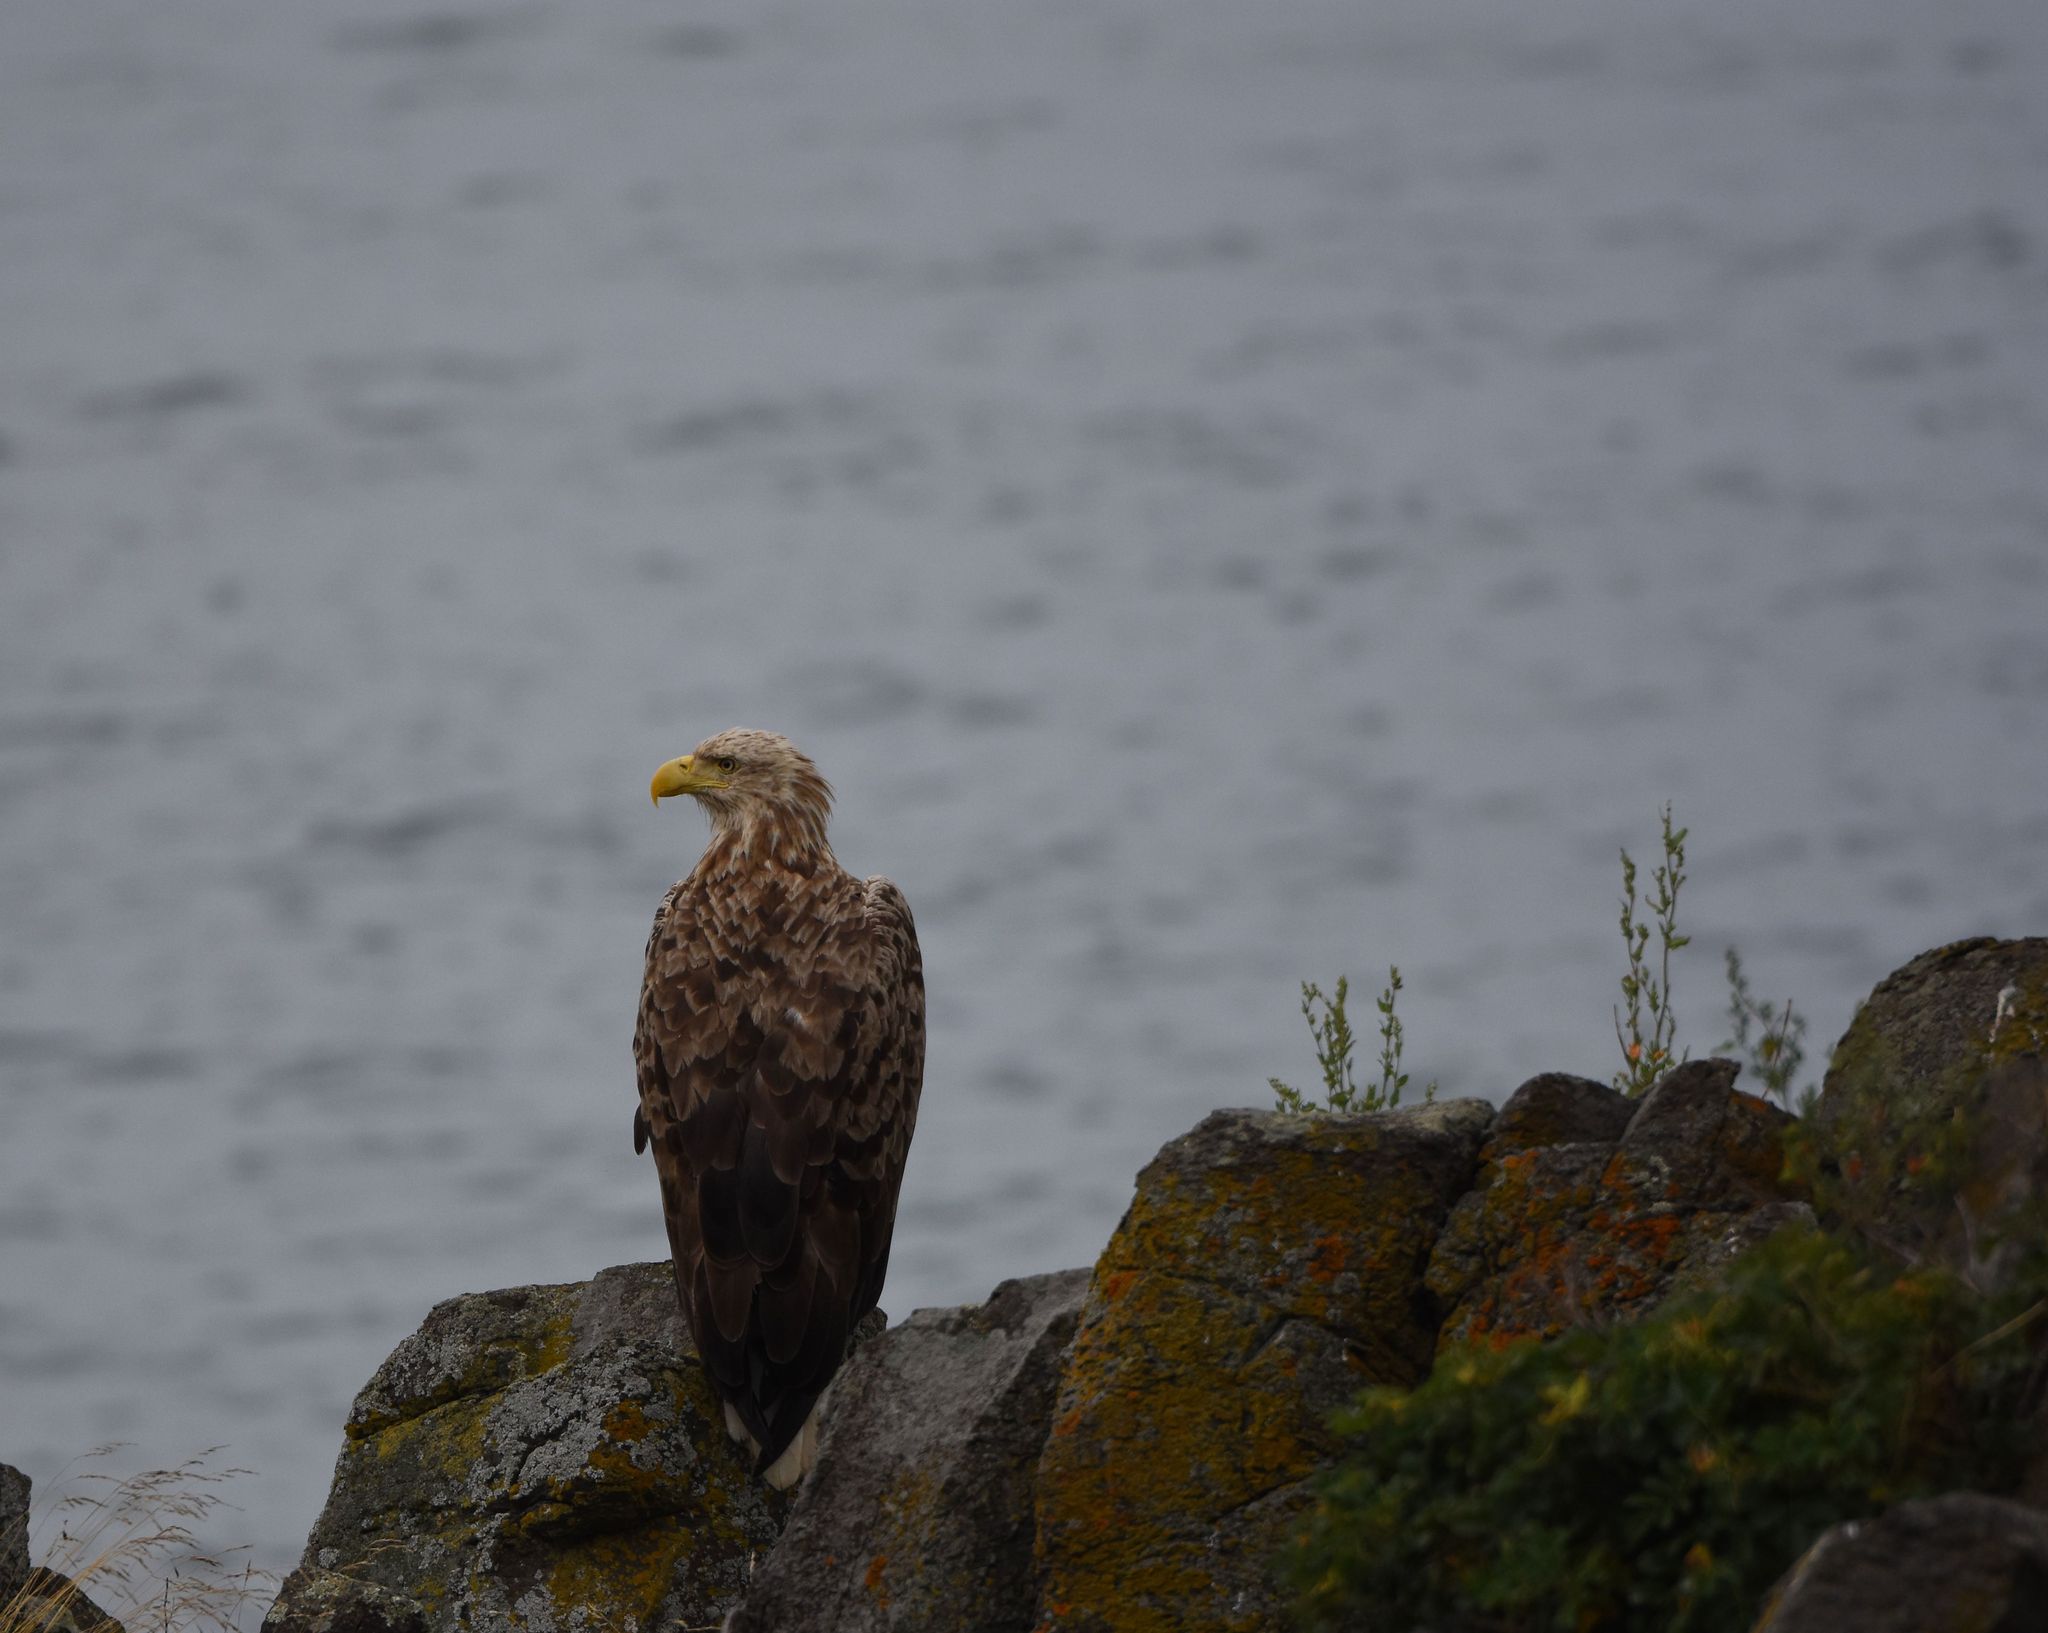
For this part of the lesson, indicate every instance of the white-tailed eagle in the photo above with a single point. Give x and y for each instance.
(780, 1049)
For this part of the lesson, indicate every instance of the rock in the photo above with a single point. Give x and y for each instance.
(32, 1598)
(1557, 1108)
(14, 1566)
(540, 1457)
(330, 1602)
(1568, 1227)
(920, 1512)
(1963, 1563)
(1933, 1120)
(1268, 1268)
(50, 1602)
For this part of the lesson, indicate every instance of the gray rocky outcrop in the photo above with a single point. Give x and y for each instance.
(539, 1457)
(1932, 1125)
(1127, 1448)
(919, 1514)
(1962, 1563)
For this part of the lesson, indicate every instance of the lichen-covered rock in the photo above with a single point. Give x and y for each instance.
(1567, 1227)
(919, 1514)
(321, 1601)
(1963, 1563)
(1557, 1108)
(550, 1458)
(1268, 1268)
(1933, 1121)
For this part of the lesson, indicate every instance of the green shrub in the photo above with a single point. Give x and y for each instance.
(1663, 1473)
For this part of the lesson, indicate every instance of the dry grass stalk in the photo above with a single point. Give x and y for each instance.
(131, 1543)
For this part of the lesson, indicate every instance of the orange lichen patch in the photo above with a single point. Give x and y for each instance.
(612, 1478)
(1654, 1233)
(873, 1582)
(1560, 1235)
(1327, 1262)
(627, 1422)
(1117, 1283)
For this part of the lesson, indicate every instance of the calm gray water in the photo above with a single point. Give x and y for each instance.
(1230, 493)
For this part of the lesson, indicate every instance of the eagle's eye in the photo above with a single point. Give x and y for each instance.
(728, 764)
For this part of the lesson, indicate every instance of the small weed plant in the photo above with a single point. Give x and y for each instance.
(1329, 1029)
(1663, 1473)
(130, 1544)
(1646, 992)
(1769, 1039)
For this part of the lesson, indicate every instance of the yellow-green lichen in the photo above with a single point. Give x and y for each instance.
(620, 1578)
(1183, 1406)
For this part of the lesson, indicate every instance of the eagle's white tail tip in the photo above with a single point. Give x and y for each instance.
(798, 1458)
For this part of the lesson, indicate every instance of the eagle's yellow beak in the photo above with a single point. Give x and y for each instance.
(679, 777)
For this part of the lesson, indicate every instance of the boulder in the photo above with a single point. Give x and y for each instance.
(1963, 1563)
(920, 1511)
(1932, 1128)
(1557, 1108)
(1269, 1267)
(1591, 1206)
(541, 1457)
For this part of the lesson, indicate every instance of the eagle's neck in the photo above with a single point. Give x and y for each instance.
(787, 840)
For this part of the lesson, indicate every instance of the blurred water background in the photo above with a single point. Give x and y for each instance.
(1230, 493)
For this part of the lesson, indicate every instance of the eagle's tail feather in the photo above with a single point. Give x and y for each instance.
(798, 1458)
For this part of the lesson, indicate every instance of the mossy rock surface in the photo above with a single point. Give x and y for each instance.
(550, 1458)
(1269, 1267)
(1932, 1129)
(1570, 1228)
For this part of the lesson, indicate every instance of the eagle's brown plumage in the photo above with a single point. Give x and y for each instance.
(780, 1049)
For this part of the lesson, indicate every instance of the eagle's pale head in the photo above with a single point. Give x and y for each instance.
(746, 779)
